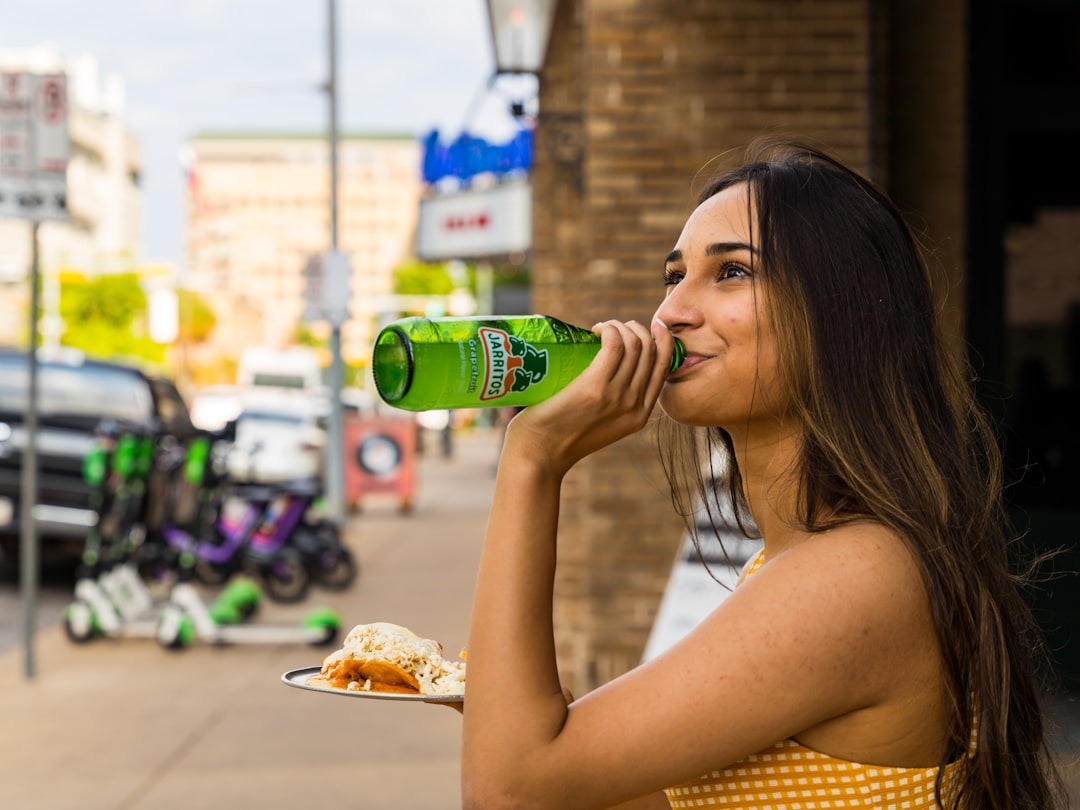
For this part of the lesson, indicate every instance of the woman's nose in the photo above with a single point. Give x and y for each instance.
(678, 309)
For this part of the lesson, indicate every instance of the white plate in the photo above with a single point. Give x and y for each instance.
(299, 679)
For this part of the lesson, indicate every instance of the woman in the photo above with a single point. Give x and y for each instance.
(875, 654)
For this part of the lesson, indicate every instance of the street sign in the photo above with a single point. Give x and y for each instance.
(476, 223)
(327, 280)
(34, 153)
(34, 146)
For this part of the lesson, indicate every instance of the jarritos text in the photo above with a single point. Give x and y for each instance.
(511, 364)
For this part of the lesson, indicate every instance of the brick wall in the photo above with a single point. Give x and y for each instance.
(639, 100)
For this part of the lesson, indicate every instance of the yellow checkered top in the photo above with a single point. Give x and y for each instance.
(790, 776)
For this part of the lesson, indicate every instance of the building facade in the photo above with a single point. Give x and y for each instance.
(103, 195)
(259, 208)
(640, 100)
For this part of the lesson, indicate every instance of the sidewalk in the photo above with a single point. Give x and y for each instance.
(127, 725)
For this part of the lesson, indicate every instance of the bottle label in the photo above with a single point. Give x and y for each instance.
(511, 364)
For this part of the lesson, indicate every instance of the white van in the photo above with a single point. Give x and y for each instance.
(296, 367)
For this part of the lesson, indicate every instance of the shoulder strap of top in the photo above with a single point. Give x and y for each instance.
(751, 565)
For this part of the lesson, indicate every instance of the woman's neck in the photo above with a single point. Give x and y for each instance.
(768, 464)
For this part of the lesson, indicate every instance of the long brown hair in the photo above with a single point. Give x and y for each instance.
(891, 431)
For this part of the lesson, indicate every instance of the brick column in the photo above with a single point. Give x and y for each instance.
(639, 99)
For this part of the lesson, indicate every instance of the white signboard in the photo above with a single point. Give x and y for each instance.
(327, 288)
(34, 146)
(476, 224)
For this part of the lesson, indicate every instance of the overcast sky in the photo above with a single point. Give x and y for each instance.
(190, 66)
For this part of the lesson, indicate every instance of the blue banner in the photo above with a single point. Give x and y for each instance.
(468, 156)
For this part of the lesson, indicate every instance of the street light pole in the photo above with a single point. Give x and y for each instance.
(335, 472)
(331, 91)
(29, 571)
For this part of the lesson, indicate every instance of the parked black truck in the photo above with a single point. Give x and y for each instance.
(75, 396)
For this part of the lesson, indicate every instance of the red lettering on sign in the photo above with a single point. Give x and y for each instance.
(467, 223)
(52, 102)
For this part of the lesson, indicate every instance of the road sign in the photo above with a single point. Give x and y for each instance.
(476, 224)
(34, 146)
(327, 287)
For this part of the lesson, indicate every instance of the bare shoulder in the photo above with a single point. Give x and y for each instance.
(862, 578)
(829, 642)
(860, 594)
(861, 554)
(860, 582)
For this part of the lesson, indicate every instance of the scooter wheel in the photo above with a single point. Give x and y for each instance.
(175, 629)
(154, 564)
(210, 573)
(335, 569)
(286, 577)
(80, 623)
(243, 594)
(325, 625)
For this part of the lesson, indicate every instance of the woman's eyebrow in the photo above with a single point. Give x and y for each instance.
(719, 248)
(715, 249)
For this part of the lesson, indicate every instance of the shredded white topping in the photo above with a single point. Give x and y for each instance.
(421, 657)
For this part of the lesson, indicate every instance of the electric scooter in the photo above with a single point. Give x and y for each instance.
(256, 544)
(287, 508)
(282, 513)
(187, 619)
(111, 599)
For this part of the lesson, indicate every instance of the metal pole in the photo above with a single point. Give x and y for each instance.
(335, 474)
(28, 563)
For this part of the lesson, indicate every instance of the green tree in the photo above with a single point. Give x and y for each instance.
(105, 317)
(197, 319)
(415, 277)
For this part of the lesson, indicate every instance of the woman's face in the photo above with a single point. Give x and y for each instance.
(715, 307)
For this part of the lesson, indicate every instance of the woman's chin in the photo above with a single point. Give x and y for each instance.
(677, 409)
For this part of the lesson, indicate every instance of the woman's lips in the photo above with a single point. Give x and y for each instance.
(690, 361)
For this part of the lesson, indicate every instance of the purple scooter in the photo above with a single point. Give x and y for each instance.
(256, 544)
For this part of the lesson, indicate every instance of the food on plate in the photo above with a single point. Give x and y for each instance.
(384, 657)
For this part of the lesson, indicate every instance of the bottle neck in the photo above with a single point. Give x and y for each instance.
(678, 357)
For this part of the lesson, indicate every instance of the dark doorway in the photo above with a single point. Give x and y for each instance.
(1024, 278)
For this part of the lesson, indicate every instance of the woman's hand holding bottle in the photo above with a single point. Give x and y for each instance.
(613, 398)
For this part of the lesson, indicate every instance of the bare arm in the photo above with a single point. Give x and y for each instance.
(513, 680)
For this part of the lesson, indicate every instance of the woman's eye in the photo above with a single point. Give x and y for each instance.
(733, 270)
(672, 277)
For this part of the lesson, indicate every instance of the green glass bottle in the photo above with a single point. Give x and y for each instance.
(423, 364)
